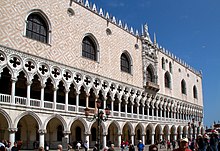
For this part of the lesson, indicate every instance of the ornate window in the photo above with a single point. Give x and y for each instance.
(163, 63)
(37, 28)
(167, 80)
(89, 48)
(150, 74)
(125, 63)
(195, 93)
(183, 87)
(170, 67)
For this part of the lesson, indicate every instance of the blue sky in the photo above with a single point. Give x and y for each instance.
(188, 28)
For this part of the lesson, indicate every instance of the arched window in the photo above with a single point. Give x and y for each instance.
(195, 93)
(163, 63)
(89, 48)
(167, 80)
(125, 63)
(183, 86)
(37, 28)
(170, 67)
(150, 75)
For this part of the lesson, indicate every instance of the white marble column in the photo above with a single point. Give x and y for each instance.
(12, 132)
(143, 138)
(132, 139)
(13, 81)
(87, 139)
(152, 138)
(66, 99)
(119, 109)
(87, 99)
(132, 110)
(41, 135)
(42, 95)
(104, 140)
(148, 112)
(126, 108)
(112, 107)
(119, 139)
(138, 110)
(77, 101)
(28, 92)
(142, 112)
(54, 97)
(168, 136)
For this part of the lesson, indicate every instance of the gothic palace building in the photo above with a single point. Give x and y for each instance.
(58, 57)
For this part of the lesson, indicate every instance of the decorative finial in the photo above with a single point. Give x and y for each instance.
(155, 38)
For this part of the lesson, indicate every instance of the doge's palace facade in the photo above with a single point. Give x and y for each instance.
(58, 57)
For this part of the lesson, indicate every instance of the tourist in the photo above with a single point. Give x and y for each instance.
(59, 147)
(153, 147)
(140, 146)
(183, 145)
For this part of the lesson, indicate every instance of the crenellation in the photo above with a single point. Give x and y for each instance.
(114, 20)
(87, 4)
(101, 12)
(94, 8)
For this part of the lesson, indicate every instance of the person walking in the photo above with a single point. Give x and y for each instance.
(85, 145)
(183, 145)
(140, 146)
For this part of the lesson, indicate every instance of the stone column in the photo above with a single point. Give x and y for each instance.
(142, 112)
(87, 138)
(104, 140)
(119, 139)
(119, 108)
(54, 98)
(152, 138)
(156, 113)
(42, 95)
(147, 111)
(175, 136)
(28, 92)
(87, 99)
(132, 110)
(143, 138)
(12, 132)
(41, 135)
(65, 140)
(138, 110)
(126, 108)
(13, 81)
(77, 101)
(132, 139)
(66, 99)
(112, 107)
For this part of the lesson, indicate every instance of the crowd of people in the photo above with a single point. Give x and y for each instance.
(204, 142)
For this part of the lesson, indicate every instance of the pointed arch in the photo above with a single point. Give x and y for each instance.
(81, 120)
(150, 73)
(42, 31)
(90, 47)
(59, 117)
(8, 118)
(126, 62)
(195, 92)
(31, 113)
(167, 80)
(183, 86)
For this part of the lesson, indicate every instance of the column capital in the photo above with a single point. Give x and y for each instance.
(42, 131)
(66, 132)
(12, 130)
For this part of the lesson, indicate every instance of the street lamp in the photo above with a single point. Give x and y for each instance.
(99, 117)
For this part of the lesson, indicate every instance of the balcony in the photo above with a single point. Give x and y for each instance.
(152, 86)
